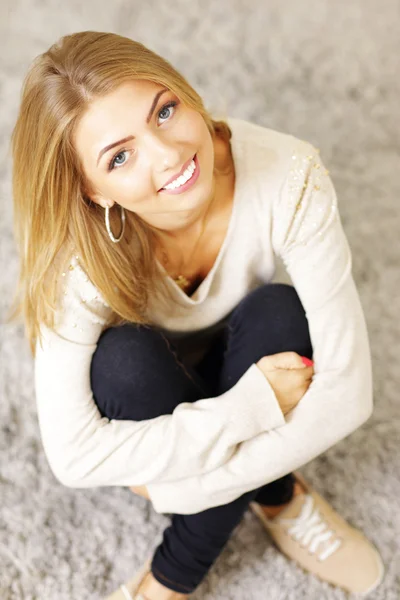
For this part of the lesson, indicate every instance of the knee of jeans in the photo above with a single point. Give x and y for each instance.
(126, 345)
(122, 353)
(274, 309)
(269, 300)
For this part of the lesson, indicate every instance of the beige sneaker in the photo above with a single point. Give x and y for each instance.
(310, 532)
(130, 590)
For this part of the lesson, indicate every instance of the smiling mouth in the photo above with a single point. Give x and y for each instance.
(175, 182)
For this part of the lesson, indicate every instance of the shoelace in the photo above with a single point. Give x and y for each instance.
(308, 524)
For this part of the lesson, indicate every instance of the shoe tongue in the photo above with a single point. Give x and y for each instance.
(293, 510)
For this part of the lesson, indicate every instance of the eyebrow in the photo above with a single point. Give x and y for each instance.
(132, 137)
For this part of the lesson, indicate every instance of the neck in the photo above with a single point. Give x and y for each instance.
(190, 231)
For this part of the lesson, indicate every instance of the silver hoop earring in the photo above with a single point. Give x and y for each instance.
(107, 218)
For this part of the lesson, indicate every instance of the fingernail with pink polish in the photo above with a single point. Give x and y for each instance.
(307, 361)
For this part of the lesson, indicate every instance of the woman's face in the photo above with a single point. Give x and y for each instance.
(163, 137)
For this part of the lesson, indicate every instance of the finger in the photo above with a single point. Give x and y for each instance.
(307, 371)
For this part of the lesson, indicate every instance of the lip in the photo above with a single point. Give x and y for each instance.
(185, 166)
(189, 183)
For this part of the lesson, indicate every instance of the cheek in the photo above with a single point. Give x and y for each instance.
(207, 155)
(192, 129)
(126, 186)
(132, 191)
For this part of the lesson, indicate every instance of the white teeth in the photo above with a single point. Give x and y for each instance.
(186, 175)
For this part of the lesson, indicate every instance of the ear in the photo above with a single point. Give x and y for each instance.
(94, 196)
(104, 202)
(100, 200)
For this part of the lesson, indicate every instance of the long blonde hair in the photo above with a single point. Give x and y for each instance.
(53, 217)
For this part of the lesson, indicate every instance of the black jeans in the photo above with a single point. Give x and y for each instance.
(268, 320)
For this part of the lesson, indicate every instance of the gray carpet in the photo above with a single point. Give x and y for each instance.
(327, 72)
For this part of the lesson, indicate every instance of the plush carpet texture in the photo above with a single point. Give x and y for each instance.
(327, 72)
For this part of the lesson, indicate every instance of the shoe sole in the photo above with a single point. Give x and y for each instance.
(378, 581)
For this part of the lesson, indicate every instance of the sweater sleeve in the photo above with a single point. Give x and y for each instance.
(85, 449)
(307, 234)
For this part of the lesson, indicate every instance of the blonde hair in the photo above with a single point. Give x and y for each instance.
(53, 217)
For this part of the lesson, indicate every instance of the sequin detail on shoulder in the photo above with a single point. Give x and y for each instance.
(83, 307)
(311, 199)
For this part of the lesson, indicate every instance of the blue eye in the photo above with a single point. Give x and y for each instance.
(167, 106)
(112, 164)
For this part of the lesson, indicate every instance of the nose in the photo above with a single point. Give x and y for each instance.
(163, 155)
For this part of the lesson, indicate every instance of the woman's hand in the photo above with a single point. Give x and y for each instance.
(141, 490)
(288, 376)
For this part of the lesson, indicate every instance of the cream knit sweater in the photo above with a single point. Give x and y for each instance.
(209, 452)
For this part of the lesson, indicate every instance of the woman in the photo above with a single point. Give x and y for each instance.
(165, 359)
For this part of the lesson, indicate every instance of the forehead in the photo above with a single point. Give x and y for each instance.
(108, 115)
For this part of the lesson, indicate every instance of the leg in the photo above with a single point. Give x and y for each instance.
(192, 542)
